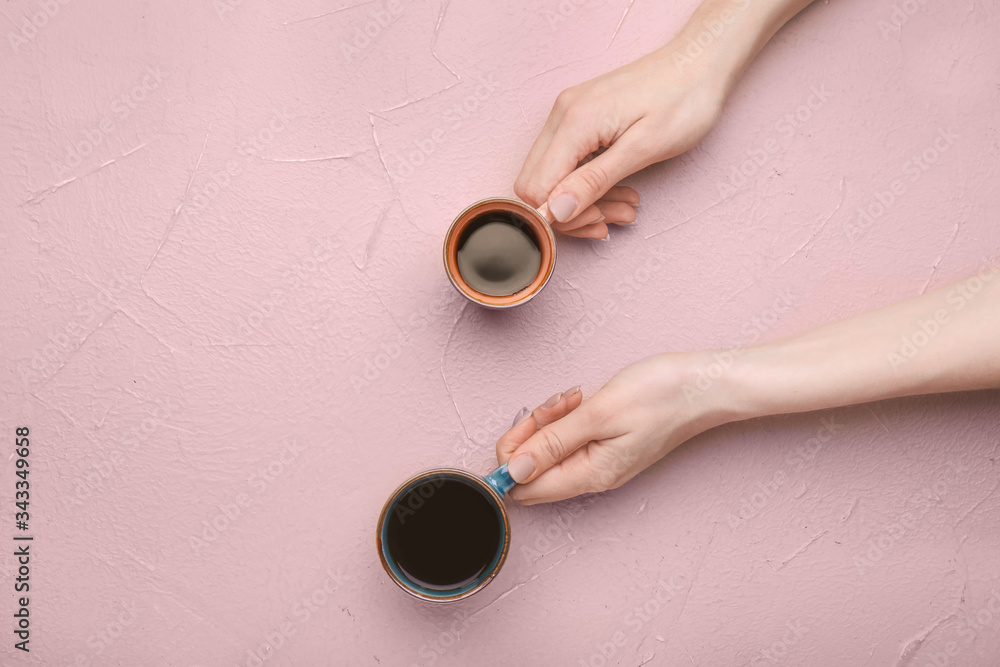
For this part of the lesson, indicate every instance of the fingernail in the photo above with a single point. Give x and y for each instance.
(563, 206)
(522, 414)
(635, 205)
(552, 400)
(570, 392)
(521, 467)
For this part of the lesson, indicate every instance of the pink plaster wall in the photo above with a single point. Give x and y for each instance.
(233, 311)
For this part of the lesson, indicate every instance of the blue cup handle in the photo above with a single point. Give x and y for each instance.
(500, 480)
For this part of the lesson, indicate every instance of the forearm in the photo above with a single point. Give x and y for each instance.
(946, 340)
(723, 36)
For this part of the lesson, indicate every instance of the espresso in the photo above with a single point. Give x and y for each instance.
(498, 254)
(444, 533)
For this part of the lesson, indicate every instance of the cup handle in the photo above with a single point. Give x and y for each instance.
(500, 480)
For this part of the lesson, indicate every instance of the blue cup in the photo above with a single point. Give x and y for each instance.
(493, 488)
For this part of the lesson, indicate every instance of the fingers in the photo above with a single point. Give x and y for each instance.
(552, 443)
(571, 143)
(568, 478)
(616, 212)
(618, 207)
(601, 464)
(589, 182)
(591, 215)
(597, 230)
(527, 186)
(562, 170)
(622, 193)
(556, 407)
(570, 177)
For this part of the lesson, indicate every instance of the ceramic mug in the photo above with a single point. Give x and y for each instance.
(493, 488)
(535, 225)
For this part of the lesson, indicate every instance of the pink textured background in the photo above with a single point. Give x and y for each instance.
(232, 310)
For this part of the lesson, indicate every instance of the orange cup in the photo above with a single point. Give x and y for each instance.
(536, 226)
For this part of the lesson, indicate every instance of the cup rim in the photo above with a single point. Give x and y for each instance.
(481, 483)
(543, 233)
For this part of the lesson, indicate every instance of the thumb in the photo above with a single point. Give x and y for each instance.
(588, 182)
(554, 442)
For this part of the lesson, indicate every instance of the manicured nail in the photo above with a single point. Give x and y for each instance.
(552, 400)
(635, 205)
(570, 392)
(522, 414)
(521, 467)
(562, 207)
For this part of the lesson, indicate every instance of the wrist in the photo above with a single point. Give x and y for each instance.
(714, 391)
(747, 382)
(722, 37)
(756, 381)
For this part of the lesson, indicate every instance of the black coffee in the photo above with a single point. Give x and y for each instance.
(498, 253)
(444, 533)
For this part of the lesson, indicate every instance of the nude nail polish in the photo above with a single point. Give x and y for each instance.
(552, 400)
(562, 207)
(521, 467)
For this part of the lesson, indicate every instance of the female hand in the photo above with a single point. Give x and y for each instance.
(649, 110)
(569, 446)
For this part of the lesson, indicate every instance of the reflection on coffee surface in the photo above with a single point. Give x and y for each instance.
(498, 254)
